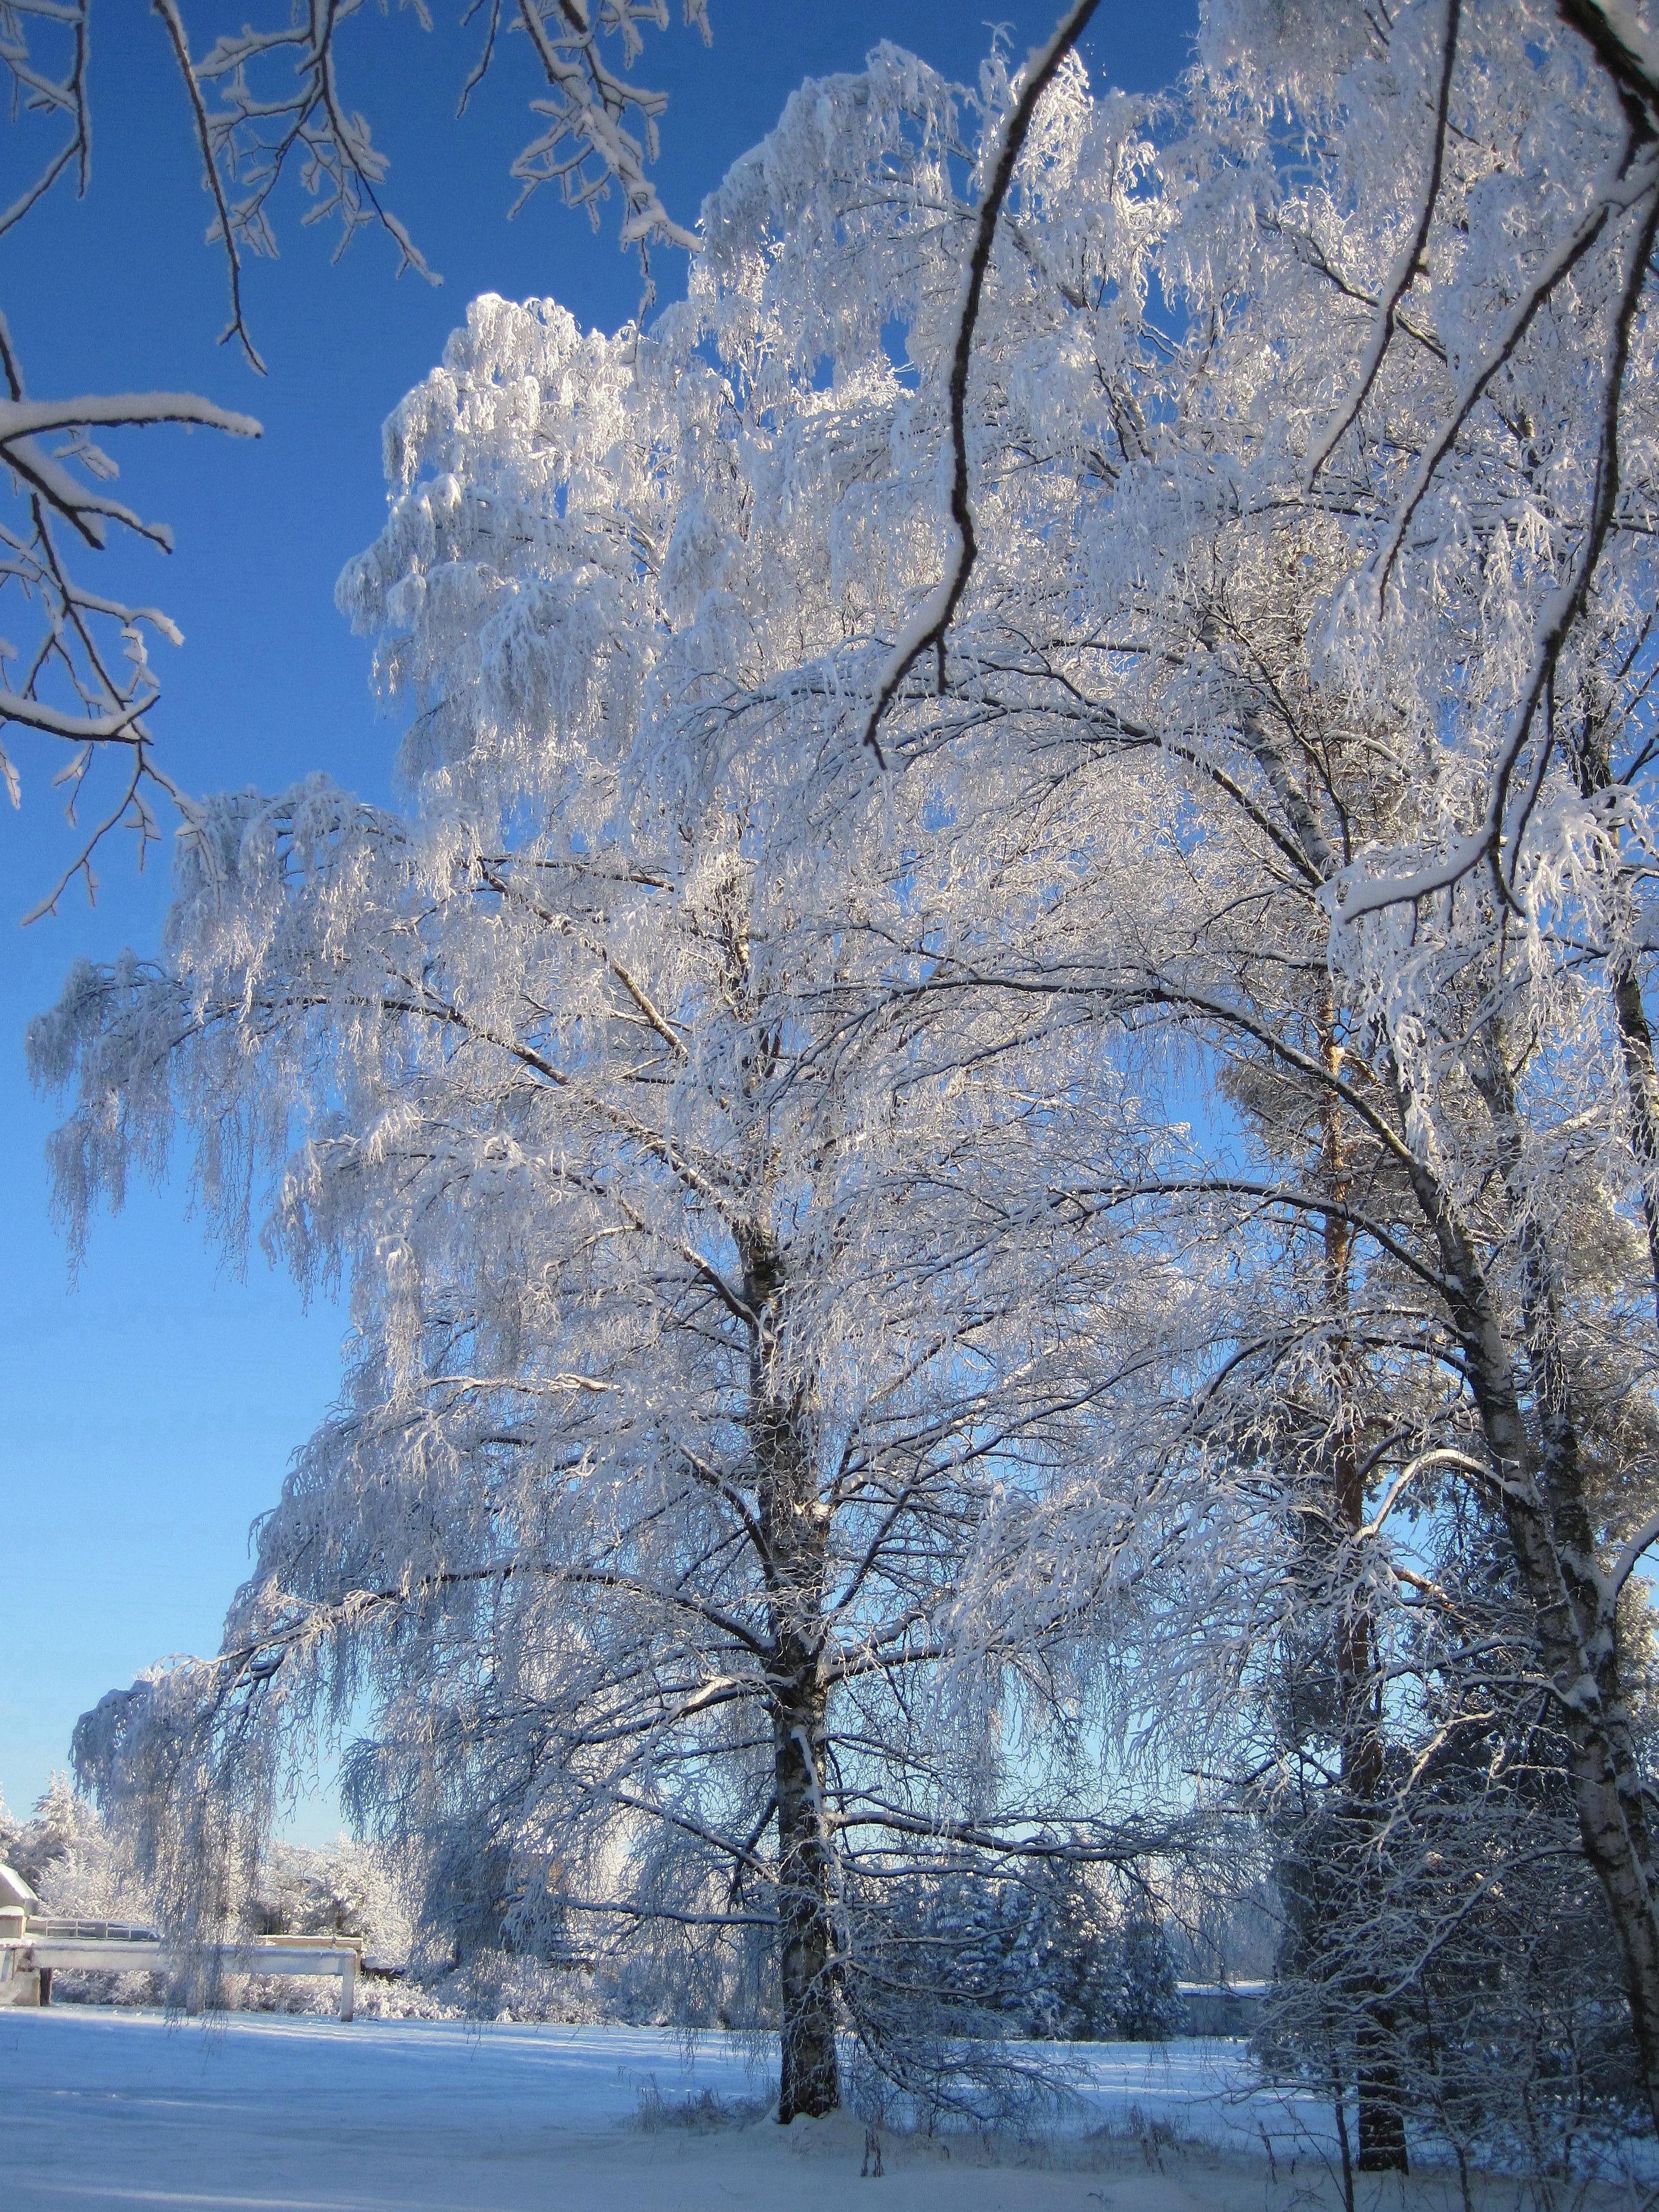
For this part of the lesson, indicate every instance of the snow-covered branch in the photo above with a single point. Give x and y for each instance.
(266, 104)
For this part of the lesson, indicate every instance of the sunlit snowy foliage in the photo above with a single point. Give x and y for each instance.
(1084, 1291)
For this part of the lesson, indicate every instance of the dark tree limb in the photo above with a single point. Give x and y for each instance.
(1411, 264)
(946, 597)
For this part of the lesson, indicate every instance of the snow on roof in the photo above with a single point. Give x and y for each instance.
(14, 1890)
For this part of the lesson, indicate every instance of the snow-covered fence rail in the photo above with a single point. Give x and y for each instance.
(29, 1958)
(35, 1945)
(60, 1928)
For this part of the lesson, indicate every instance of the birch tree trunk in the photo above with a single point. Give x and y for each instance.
(794, 1529)
(1547, 1517)
(809, 2085)
(1376, 2070)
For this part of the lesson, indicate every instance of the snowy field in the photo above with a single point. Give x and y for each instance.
(266, 2112)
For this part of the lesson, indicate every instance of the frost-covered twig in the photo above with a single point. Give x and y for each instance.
(36, 92)
(225, 228)
(588, 145)
(1616, 196)
(99, 709)
(1497, 841)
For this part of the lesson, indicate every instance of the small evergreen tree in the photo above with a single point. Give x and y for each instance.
(1148, 2004)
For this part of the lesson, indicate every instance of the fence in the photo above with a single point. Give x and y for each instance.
(32, 1948)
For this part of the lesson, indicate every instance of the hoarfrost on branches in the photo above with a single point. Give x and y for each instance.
(898, 1311)
(717, 1326)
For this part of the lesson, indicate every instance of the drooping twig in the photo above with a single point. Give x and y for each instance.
(928, 625)
(237, 326)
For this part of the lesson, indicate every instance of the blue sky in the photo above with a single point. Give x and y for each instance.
(148, 1412)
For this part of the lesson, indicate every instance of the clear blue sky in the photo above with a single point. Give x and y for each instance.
(147, 1413)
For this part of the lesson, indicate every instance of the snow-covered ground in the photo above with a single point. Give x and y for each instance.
(262, 2112)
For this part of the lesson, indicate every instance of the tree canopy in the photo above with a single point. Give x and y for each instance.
(991, 1115)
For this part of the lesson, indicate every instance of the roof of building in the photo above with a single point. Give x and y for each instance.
(14, 1891)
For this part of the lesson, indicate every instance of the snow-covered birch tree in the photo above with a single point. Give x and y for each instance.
(708, 1313)
(1138, 1211)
